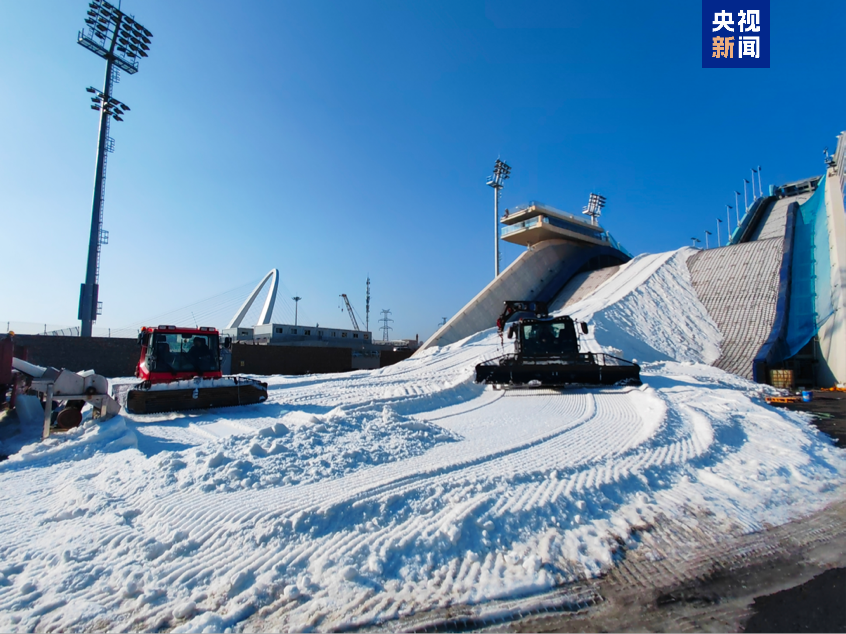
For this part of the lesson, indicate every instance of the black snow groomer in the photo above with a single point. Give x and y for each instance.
(546, 353)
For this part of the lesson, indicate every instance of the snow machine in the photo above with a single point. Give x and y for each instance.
(546, 353)
(179, 370)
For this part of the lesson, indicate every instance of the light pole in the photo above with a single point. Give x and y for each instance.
(695, 240)
(728, 223)
(745, 200)
(120, 40)
(754, 171)
(737, 207)
(760, 189)
(502, 171)
(707, 233)
(719, 222)
(296, 306)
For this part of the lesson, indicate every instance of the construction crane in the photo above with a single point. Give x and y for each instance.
(350, 312)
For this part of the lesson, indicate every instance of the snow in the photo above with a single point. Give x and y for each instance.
(356, 498)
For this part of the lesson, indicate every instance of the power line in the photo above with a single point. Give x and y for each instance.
(235, 296)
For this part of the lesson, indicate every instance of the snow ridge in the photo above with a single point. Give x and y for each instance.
(357, 498)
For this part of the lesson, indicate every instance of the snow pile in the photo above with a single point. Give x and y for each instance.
(303, 448)
(91, 437)
(650, 312)
(355, 498)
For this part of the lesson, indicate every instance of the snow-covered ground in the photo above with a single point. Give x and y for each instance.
(360, 497)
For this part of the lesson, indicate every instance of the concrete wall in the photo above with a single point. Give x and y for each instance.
(106, 356)
(249, 359)
(117, 357)
(390, 357)
(523, 280)
(832, 334)
(580, 286)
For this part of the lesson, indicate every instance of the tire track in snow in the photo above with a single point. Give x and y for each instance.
(541, 489)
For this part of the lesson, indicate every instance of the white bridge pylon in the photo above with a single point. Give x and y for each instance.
(267, 311)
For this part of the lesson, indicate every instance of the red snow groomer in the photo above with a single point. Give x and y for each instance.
(546, 353)
(179, 370)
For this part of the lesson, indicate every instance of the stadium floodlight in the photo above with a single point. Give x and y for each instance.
(707, 233)
(501, 173)
(695, 240)
(754, 171)
(719, 222)
(109, 34)
(760, 189)
(596, 204)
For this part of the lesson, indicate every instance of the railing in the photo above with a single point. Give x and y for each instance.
(840, 161)
(543, 206)
(65, 332)
(526, 224)
(591, 233)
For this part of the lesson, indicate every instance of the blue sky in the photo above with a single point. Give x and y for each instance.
(333, 140)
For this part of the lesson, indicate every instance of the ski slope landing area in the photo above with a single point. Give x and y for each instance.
(355, 499)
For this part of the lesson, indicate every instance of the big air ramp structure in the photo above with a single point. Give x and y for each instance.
(560, 247)
(777, 291)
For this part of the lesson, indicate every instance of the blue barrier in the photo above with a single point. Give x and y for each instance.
(810, 293)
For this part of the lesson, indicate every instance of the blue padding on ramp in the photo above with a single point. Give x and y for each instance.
(810, 288)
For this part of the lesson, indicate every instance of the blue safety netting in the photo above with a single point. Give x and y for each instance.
(810, 283)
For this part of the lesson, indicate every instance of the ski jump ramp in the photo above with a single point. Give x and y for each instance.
(775, 291)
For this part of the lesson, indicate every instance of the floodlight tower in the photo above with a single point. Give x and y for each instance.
(120, 40)
(502, 171)
(596, 204)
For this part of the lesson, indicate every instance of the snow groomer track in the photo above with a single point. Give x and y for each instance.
(367, 498)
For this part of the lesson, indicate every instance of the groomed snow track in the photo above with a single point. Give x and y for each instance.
(356, 499)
